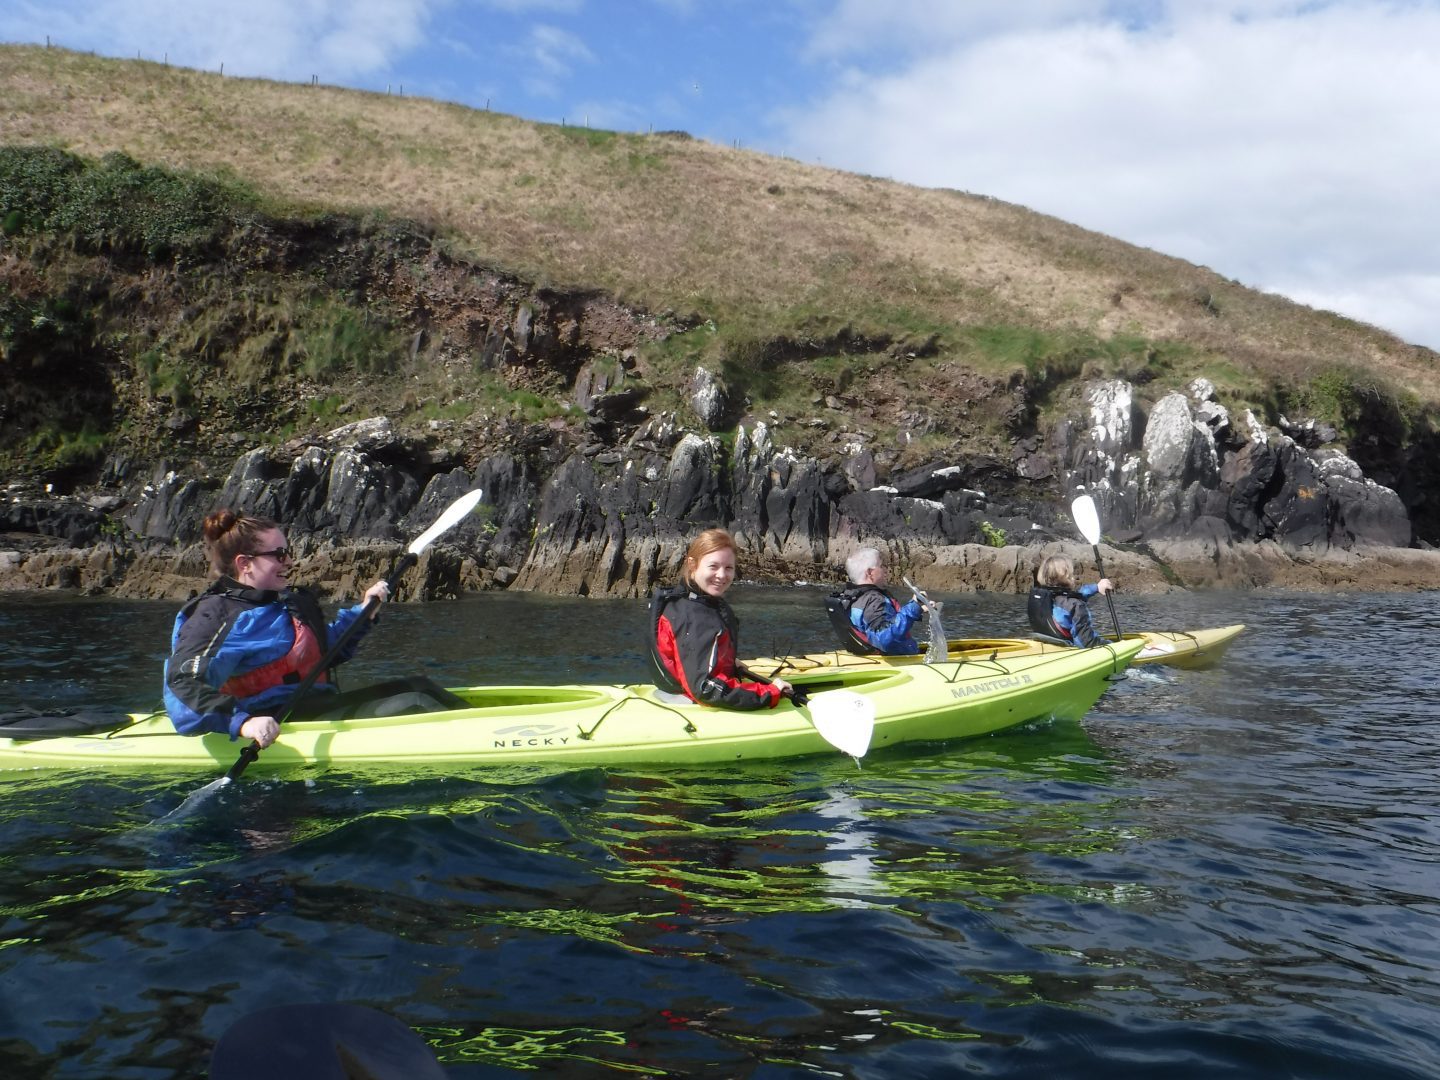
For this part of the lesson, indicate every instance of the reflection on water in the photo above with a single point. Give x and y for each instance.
(1226, 872)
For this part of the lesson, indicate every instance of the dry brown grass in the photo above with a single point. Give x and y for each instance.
(677, 224)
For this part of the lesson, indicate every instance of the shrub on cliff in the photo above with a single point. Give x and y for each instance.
(115, 203)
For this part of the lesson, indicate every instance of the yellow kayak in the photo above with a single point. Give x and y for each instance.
(1175, 648)
(578, 726)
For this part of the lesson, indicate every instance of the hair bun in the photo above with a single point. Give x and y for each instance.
(219, 523)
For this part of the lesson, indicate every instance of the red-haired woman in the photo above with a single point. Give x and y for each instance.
(694, 631)
(239, 649)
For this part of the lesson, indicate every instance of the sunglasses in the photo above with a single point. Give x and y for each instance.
(281, 553)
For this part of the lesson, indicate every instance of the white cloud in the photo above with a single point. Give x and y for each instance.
(901, 27)
(1291, 151)
(283, 39)
(548, 56)
(556, 51)
(1401, 303)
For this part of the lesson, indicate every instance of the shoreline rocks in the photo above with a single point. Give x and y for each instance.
(1187, 500)
(608, 569)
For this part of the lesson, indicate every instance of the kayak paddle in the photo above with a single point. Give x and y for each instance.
(843, 718)
(453, 515)
(938, 651)
(322, 1042)
(1087, 520)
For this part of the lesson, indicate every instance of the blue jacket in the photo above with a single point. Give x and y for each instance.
(880, 619)
(1065, 614)
(230, 630)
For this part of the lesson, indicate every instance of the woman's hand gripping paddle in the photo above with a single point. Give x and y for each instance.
(453, 515)
(1087, 520)
(844, 719)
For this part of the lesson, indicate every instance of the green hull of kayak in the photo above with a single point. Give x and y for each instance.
(576, 726)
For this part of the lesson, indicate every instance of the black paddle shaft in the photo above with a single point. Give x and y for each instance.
(1099, 562)
(251, 752)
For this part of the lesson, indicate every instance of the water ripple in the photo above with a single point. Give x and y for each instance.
(1215, 873)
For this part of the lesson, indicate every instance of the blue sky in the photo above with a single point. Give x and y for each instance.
(1293, 146)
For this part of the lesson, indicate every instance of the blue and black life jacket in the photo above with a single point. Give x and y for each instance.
(1041, 610)
(838, 605)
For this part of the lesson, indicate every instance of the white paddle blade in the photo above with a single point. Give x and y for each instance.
(1087, 518)
(844, 719)
(939, 649)
(454, 513)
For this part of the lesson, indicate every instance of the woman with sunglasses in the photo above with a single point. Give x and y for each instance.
(239, 649)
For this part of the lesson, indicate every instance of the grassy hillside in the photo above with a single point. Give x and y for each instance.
(765, 249)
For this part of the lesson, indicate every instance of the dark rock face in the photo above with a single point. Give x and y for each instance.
(77, 524)
(1362, 513)
(614, 519)
(1298, 513)
(1192, 465)
(1245, 478)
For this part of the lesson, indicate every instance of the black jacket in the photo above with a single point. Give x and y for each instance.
(692, 651)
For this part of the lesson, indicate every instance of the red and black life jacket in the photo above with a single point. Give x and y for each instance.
(660, 673)
(692, 651)
(291, 668)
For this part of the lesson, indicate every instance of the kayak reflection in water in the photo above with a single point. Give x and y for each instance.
(694, 632)
(240, 648)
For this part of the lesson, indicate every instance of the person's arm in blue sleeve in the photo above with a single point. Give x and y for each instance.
(379, 592)
(1076, 619)
(886, 630)
(341, 623)
(198, 665)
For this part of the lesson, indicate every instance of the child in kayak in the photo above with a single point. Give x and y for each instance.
(693, 633)
(239, 649)
(870, 620)
(1058, 608)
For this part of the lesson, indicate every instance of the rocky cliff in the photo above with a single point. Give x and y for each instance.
(167, 347)
(1189, 497)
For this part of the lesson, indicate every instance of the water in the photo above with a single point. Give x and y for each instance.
(1226, 873)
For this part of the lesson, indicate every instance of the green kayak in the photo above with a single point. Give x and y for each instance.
(616, 725)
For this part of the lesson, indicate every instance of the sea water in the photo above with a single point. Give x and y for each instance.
(1232, 872)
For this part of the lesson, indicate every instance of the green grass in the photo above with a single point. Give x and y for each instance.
(166, 378)
(334, 338)
(58, 448)
(325, 409)
(116, 202)
(788, 280)
(453, 410)
(590, 138)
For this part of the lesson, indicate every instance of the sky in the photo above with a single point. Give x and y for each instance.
(1291, 146)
